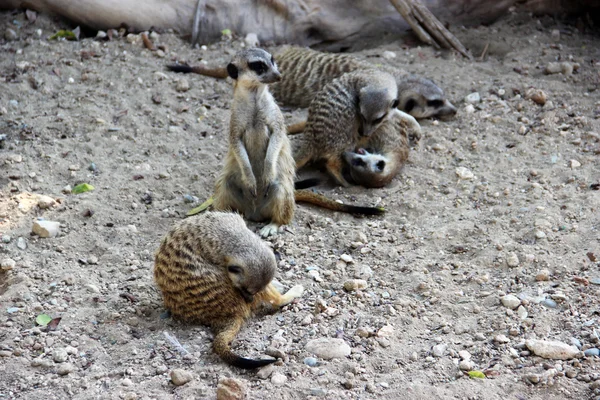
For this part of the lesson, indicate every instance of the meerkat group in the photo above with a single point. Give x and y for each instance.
(211, 268)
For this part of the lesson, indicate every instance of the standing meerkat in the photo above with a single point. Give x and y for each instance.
(305, 73)
(350, 107)
(211, 269)
(258, 176)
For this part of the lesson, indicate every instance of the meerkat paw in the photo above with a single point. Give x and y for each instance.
(291, 294)
(269, 230)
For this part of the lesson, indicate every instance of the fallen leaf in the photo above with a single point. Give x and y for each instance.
(591, 256)
(201, 207)
(64, 34)
(52, 325)
(476, 374)
(226, 32)
(82, 188)
(43, 319)
(128, 296)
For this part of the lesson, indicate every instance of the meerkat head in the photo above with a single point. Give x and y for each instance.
(253, 66)
(251, 267)
(422, 98)
(375, 102)
(367, 168)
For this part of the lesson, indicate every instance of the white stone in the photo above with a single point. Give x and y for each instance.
(469, 109)
(180, 377)
(328, 348)
(574, 164)
(45, 202)
(65, 369)
(439, 349)
(388, 55)
(465, 365)
(501, 339)
(464, 355)
(552, 349)
(355, 284)
(60, 355)
(7, 264)
(265, 371)
(473, 98)
(510, 301)
(182, 85)
(346, 258)
(251, 40)
(385, 331)
(46, 229)
(278, 379)
(512, 260)
(464, 173)
(522, 313)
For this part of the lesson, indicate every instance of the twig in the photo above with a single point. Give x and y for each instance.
(484, 52)
(196, 24)
(175, 343)
(147, 42)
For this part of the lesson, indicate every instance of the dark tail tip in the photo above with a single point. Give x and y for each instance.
(306, 183)
(186, 69)
(247, 363)
(365, 210)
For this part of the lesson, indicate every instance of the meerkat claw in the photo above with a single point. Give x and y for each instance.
(269, 230)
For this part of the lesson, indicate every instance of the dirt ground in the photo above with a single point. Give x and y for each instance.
(500, 200)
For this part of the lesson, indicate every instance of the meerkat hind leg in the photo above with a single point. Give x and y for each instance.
(271, 229)
(334, 167)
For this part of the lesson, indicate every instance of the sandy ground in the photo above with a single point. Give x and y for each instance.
(522, 218)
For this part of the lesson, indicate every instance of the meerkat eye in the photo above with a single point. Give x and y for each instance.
(395, 103)
(258, 66)
(381, 165)
(358, 162)
(272, 60)
(435, 103)
(234, 269)
(410, 104)
(378, 120)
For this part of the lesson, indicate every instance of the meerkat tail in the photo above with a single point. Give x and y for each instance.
(219, 73)
(307, 196)
(221, 346)
(296, 128)
(306, 183)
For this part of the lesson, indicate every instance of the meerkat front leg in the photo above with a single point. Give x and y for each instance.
(271, 229)
(271, 158)
(241, 155)
(271, 295)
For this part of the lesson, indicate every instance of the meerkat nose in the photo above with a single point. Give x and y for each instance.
(277, 76)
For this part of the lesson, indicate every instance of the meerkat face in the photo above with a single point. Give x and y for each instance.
(375, 106)
(421, 98)
(367, 168)
(250, 275)
(254, 65)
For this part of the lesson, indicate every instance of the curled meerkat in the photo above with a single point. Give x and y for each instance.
(213, 270)
(350, 107)
(305, 72)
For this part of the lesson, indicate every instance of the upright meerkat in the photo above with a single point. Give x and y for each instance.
(305, 73)
(213, 270)
(258, 176)
(350, 107)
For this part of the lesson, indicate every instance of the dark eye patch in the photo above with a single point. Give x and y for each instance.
(395, 103)
(435, 103)
(234, 269)
(258, 66)
(378, 120)
(381, 165)
(358, 162)
(410, 104)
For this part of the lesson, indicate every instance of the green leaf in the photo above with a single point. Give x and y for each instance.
(476, 374)
(226, 32)
(43, 319)
(201, 207)
(82, 188)
(69, 35)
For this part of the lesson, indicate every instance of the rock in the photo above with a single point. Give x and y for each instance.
(510, 301)
(278, 379)
(7, 264)
(21, 243)
(231, 389)
(60, 355)
(355, 284)
(464, 173)
(465, 365)
(388, 55)
(318, 392)
(473, 98)
(6, 239)
(101, 35)
(501, 339)
(469, 109)
(328, 348)
(552, 349)
(10, 34)
(591, 352)
(265, 371)
(512, 260)
(553, 68)
(385, 331)
(542, 275)
(310, 361)
(45, 202)
(180, 377)
(465, 355)
(363, 272)
(555, 35)
(439, 349)
(522, 313)
(574, 164)
(549, 303)
(536, 95)
(46, 229)
(251, 40)
(65, 369)
(346, 258)
(182, 85)
(5, 353)
(92, 288)
(533, 378)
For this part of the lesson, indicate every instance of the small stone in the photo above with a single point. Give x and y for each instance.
(464, 355)
(60, 355)
(10, 34)
(352, 285)
(465, 365)
(464, 173)
(542, 275)
(45, 202)
(439, 350)
(536, 95)
(67, 189)
(278, 379)
(328, 348)
(180, 377)
(65, 369)
(549, 303)
(349, 384)
(469, 109)
(522, 313)
(7, 264)
(21, 243)
(92, 288)
(310, 361)
(385, 331)
(473, 98)
(46, 229)
(346, 258)
(182, 85)
(553, 68)
(501, 339)
(574, 164)
(388, 55)
(231, 389)
(318, 392)
(591, 352)
(533, 378)
(251, 40)
(132, 38)
(479, 336)
(13, 104)
(555, 35)
(101, 35)
(6, 239)
(510, 301)
(571, 373)
(512, 260)
(552, 349)
(5, 353)
(575, 342)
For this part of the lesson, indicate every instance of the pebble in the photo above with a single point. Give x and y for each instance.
(385, 331)
(502, 339)
(278, 379)
(318, 392)
(328, 348)
(60, 355)
(555, 35)
(182, 85)
(6, 239)
(92, 288)
(522, 313)
(388, 55)
(346, 258)
(510, 301)
(355, 284)
(363, 272)
(549, 303)
(310, 361)
(464, 173)
(5, 353)
(536, 95)
(542, 275)
(469, 109)
(439, 350)
(7, 264)
(21, 243)
(512, 260)
(592, 352)
(533, 378)
(45, 202)
(251, 40)
(575, 342)
(180, 377)
(101, 35)
(465, 365)
(46, 229)
(473, 98)
(231, 389)
(574, 164)
(552, 349)
(10, 34)
(265, 371)
(65, 369)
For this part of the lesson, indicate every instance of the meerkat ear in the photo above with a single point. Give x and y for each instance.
(232, 71)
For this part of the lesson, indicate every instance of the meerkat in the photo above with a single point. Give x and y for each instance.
(350, 107)
(305, 72)
(211, 269)
(378, 158)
